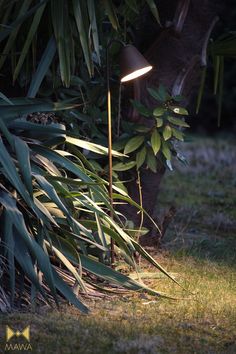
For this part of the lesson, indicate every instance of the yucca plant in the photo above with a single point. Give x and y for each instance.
(54, 209)
(54, 205)
(75, 33)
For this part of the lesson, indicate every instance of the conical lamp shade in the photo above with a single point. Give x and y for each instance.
(132, 63)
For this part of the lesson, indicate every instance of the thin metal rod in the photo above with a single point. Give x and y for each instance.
(109, 116)
(110, 150)
(119, 113)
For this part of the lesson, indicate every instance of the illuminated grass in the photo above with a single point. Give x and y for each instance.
(197, 249)
(206, 323)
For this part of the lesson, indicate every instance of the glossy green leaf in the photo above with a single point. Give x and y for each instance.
(155, 141)
(155, 94)
(166, 150)
(178, 98)
(151, 161)
(159, 123)
(178, 121)
(179, 110)
(140, 157)
(123, 166)
(159, 94)
(141, 128)
(159, 111)
(133, 144)
(178, 134)
(167, 132)
(144, 111)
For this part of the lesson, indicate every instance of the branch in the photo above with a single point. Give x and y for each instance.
(206, 41)
(180, 15)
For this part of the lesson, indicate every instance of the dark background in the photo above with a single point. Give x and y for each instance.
(206, 120)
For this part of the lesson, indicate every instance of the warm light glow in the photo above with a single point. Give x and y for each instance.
(136, 74)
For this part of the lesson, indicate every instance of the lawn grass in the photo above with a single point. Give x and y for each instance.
(199, 249)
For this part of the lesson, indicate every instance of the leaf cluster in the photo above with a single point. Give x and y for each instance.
(147, 143)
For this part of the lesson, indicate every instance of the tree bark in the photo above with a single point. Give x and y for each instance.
(177, 55)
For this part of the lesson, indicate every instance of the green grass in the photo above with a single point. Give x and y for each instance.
(204, 192)
(199, 249)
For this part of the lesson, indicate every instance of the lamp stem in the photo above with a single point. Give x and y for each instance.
(112, 249)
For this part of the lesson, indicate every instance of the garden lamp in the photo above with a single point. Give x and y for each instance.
(132, 65)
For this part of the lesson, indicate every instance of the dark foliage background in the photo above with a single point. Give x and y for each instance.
(206, 121)
(146, 33)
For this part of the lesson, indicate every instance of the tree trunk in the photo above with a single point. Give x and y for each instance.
(177, 55)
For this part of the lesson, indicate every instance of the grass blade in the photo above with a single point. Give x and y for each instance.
(221, 90)
(60, 20)
(111, 13)
(4, 33)
(115, 277)
(154, 10)
(216, 65)
(30, 105)
(68, 293)
(99, 149)
(9, 250)
(201, 89)
(12, 38)
(67, 264)
(42, 68)
(80, 18)
(94, 29)
(4, 98)
(24, 237)
(31, 33)
(23, 158)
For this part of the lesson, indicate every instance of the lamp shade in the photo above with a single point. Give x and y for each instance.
(132, 63)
